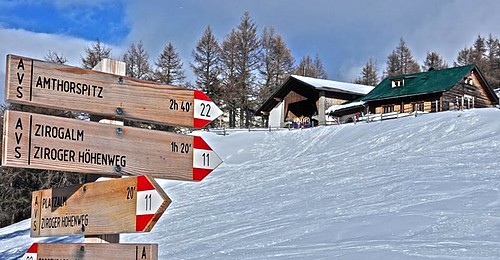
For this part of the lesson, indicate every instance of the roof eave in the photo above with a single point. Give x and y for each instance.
(402, 96)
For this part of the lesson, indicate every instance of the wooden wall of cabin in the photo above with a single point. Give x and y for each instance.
(431, 103)
(292, 97)
(452, 99)
(331, 101)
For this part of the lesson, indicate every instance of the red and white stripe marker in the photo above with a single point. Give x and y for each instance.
(205, 110)
(205, 160)
(32, 253)
(149, 204)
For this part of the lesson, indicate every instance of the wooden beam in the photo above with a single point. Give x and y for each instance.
(39, 83)
(126, 205)
(46, 142)
(92, 251)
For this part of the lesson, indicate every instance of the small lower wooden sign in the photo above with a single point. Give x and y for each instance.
(126, 205)
(40, 251)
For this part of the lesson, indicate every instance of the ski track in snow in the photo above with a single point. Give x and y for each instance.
(424, 187)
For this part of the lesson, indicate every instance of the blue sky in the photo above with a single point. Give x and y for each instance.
(105, 21)
(344, 33)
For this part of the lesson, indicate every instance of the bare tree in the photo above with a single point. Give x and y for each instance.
(246, 60)
(369, 74)
(277, 62)
(94, 54)
(137, 64)
(169, 67)
(54, 57)
(401, 61)
(435, 61)
(311, 68)
(229, 86)
(206, 65)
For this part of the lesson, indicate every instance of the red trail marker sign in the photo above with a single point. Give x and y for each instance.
(125, 205)
(53, 143)
(40, 83)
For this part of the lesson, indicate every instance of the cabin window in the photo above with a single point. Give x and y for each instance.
(469, 81)
(418, 107)
(388, 109)
(468, 101)
(396, 83)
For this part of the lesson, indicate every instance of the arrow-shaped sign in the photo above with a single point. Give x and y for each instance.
(53, 143)
(39, 251)
(126, 205)
(46, 84)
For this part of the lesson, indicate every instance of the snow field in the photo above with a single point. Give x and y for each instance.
(424, 187)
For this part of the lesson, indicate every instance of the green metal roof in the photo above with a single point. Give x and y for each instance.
(419, 83)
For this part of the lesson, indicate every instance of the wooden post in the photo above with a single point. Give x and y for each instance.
(321, 108)
(117, 68)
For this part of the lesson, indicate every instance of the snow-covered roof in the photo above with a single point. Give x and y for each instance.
(336, 85)
(344, 106)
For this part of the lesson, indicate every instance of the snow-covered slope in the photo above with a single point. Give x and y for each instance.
(424, 187)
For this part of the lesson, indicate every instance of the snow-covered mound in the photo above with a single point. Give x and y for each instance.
(424, 187)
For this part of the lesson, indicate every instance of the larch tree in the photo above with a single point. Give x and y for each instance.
(479, 48)
(465, 57)
(435, 61)
(493, 52)
(245, 43)
(248, 63)
(94, 54)
(277, 62)
(169, 67)
(136, 62)
(311, 68)
(305, 67)
(55, 57)
(319, 68)
(493, 61)
(401, 61)
(484, 53)
(369, 74)
(229, 85)
(206, 65)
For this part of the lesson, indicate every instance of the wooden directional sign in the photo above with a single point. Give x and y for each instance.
(54, 143)
(39, 251)
(46, 84)
(125, 205)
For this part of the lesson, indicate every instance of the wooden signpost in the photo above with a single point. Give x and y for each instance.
(125, 205)
(40, 83)
(55, 251)
(54, 143)
(101, 210)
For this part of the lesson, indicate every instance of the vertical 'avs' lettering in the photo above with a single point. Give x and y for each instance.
(20, 77)
(19, 124)
(18, 152)
(21, 64)
(17, 149)
(36, 213)
(18, 137)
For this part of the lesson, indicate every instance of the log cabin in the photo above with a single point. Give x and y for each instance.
(461, 87)
(307, 97)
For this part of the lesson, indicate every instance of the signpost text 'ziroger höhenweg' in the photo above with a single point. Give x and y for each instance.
(125, 205)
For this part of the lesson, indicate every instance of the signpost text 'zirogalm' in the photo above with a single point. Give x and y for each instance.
(54, 143)
(108, 208)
